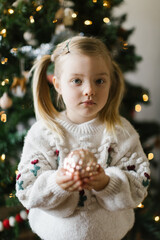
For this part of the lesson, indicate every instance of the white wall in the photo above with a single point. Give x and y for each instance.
(144, 15)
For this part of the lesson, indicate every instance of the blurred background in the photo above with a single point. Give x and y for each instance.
(145, 17)
(30, 29)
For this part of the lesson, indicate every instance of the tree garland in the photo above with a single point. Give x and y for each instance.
(7, 223)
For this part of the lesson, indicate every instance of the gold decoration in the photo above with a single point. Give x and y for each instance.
(18, 86)
(4, 117)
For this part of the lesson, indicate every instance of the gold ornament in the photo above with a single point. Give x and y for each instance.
(18, 87)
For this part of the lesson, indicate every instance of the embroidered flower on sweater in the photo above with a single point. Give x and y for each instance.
(146, 182)
(109, 156)
(18, 176)
(20, 187)
(131, 168)
(36, 168)
(57, 154)
(82, 198)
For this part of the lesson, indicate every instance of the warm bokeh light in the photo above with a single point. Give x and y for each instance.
(157, 218)
(39, 8)
(54, 21)
(88, 22)
(106, 20)
(138, 108)
(145, 97)
(74, 15)
(3, 157)
(31, 19)
(10, 11)
(150, 156)
(140, 205)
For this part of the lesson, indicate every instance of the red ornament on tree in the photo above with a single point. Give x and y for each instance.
(18, 218)
(6, 223)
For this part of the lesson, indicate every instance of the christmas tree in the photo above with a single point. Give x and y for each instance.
(30, 29)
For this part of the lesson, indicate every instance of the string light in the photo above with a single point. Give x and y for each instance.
(4, 60)
(140, 205)
(106, 4)
(145, 97)
(4, 117)
(14, 50)
(74, 15)
(3, 83)
(3, 157)
(94, 1)
(157, 218)
(10, 11)
(54, 21)
(88, 22)
(106, 20)
(31, 19)
(39, 8)
(11, 195)
(6, 81)
(150, 156)
(138, 108)
(3, 31)
(16, 172)
(125, 45)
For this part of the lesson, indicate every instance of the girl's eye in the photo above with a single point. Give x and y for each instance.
(99, 81)
(77, 81)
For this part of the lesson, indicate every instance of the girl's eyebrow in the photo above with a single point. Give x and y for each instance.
(98, 74)
(104, 73)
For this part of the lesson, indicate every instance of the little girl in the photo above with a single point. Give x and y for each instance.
(89, 87)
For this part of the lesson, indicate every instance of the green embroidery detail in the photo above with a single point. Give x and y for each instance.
(109, 160)
(58, 160)
(82, 198)
(20, 185)
(145, 183)
(35, 170)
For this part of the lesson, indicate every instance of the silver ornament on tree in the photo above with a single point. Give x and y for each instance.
(30, 38)
(5, 101)
(68, 19)
(81, 161)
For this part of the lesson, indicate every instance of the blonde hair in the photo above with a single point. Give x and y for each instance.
(89, 46)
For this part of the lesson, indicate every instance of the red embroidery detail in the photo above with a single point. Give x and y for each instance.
(109, 149)
(35, 161)
(131, 167)
(147, 175)
(57, 153)
(18, 176)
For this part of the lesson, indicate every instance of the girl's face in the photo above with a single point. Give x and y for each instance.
(84, 85)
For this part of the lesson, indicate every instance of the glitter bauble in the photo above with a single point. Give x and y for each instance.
(81, 161)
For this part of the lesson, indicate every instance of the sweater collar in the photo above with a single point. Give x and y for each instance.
(90, 127)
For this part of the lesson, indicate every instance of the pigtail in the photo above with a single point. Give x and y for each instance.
(43, 106)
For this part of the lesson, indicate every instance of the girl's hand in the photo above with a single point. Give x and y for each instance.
(67, 182)
(97, 182)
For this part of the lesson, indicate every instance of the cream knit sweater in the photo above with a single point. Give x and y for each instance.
(54, 213)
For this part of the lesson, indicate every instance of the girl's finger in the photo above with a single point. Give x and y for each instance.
(75, 187)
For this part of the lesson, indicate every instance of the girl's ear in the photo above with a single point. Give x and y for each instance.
(56, 84)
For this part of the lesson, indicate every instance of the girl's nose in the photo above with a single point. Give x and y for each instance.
(89, 90)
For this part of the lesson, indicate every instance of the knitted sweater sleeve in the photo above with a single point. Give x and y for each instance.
(36, 185)
(128, 171)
